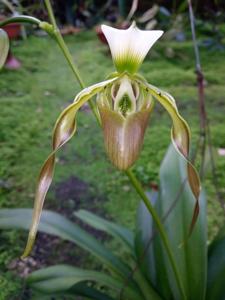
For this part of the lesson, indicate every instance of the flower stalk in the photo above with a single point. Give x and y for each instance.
(60, 41)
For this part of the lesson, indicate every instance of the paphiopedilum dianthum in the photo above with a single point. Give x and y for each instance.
(124, 102)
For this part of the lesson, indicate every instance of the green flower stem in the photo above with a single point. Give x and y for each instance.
(160, 228)
(69, 59)
(21, 19)
(50, 13)
(134, 181)
(60, 41)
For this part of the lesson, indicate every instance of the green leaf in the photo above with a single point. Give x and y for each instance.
(126, 237)
(216, 270)
(117, 231)
(53, 223)
(89, 292)
(144, 237)
(62, 277)
(37, 296)
(190, 251)
(81, 289)
(4, 47)
(175, 207)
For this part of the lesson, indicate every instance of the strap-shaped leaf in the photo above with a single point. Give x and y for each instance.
(127, 238)
(89, 292)
(64, 129)
(144, 235)
(63, 277)
(4, 47)
(117, 231)
(82, 289)
(55, 224)
(175, 206)
(180, 136)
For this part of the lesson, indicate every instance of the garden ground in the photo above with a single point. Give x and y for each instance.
(32, 98)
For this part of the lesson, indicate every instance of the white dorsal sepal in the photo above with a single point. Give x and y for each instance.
(130, 46)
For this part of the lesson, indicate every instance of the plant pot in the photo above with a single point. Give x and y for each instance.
(13, 30)
(100, 35)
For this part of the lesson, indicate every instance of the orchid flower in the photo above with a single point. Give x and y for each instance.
(124, 103)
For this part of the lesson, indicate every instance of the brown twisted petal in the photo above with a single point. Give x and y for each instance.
(64, 129)
(180, 135)
(124, 136)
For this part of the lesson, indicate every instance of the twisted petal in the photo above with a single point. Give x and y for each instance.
(129, 47)
(180, 135)
(64, 129)
(4, 47)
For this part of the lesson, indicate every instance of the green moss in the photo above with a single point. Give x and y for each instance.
(9, 286)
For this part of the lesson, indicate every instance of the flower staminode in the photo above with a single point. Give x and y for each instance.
(124, 103)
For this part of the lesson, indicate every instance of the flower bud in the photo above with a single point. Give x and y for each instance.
(124, 109)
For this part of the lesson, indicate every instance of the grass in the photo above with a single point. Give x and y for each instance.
(32, 98)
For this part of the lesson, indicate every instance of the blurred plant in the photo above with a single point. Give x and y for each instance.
(147, 20)
(8, 5)
(213, 31)
(14, 7)
(173, 22)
